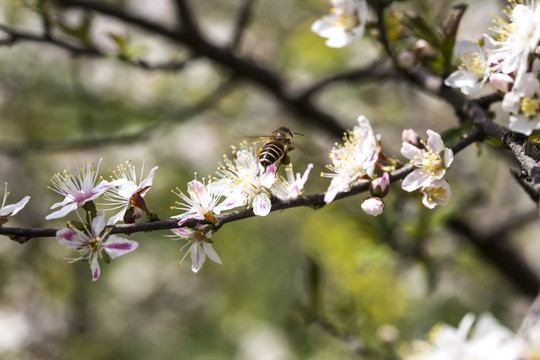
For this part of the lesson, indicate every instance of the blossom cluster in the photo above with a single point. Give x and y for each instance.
(483, 339)
(91, 235)
(242, 182)
(509, 61)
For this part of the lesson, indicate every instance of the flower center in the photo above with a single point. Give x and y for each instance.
(474, 63)
(436, 193)
(346, 20)
(530, 106)
(432, 161)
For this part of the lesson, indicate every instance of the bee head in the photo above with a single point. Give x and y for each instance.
(283, 133)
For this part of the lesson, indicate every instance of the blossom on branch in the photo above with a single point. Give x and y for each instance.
(200, 245)
(12, 209)
(249, 181)
(94, 242)
(523, 104)
(354, 161)
(431, 161)
(345, 23)
(474, 70)
(78, 186)
(291, 187)
(517, 38)
(487, 341)
(437, 192)
(204, 200)
(128, 195)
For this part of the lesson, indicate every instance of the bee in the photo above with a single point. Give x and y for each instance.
(276, 147)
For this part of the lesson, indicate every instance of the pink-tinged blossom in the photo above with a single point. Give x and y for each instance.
(517, 38)
(379, 186)
(523, 104)
(12, 209)
(291, 187)
(92, 241)
(373, 206)
(345, 23)
(488, 340)
(410, 136)
(501, 82)
(78, 186)
(248, 181)
(354, 161)
(129, 192)
(199, 242)
(437, 192)
(431, 161)
(474, 70)
(204, 200)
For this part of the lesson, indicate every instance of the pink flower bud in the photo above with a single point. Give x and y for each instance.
(373, 206)
(410, 136)
(379, 186)
(501, 82)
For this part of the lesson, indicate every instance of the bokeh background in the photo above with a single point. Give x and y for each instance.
(298, 284)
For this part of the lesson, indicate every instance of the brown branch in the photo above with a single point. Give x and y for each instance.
(242, 21)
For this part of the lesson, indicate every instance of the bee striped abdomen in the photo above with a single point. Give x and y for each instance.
(270, 153)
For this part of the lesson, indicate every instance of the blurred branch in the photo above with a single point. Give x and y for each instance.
(187, 20)
(242, 21)
(495, 247)
(145, 133)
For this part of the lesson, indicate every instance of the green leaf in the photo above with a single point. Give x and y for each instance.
(449, 31)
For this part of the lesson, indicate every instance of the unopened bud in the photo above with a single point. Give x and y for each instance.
(410, 136)
(373, 206)
(379, 186)
(501, 82)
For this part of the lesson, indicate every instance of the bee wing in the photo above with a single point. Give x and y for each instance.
(295, 146)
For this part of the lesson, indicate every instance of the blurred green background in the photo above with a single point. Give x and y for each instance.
(331, 283)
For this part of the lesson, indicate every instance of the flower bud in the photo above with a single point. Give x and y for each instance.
(410, 136)
(501, 82)
(379, 186)
(373, 206)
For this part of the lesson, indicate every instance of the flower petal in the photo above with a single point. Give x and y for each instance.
(261, 205)
(212, 254)
(116, 246)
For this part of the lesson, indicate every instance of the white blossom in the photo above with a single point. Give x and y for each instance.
(431, 161)
(199, 245)
(474, 70)
(92, 241)
(249, 181)
(354, 161)
(78, 186)
(291, 187)
(436, 192)
(345, 23)
(204, 200)
(523, 104)
(129, 192)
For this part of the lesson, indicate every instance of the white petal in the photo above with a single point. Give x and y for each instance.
(409, 151)
(62, 212)
(434, 141)
(415, 180)
(149, 179)
(14, 208)
(98, 224)
(261, 205)
(94, 268)
(116, 246)
(448, 157)
(212, 254)
(198, 255)
(338, 184)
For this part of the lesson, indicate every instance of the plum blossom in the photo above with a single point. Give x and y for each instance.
(474, 70)
(431, 162)
(199, 242)
(204, 200)
(78, 186)
(345, 23)
(95, 242)
(127, 197)
(517, 38)
(488, 340)
(373, 206)
(291, 187)
(249, 181)
(12, 209)
(379, 186)
(354, 161)
(523, 104)
(437, 192)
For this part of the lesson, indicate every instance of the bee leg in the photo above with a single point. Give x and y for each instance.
(286, 160)
(259, 152)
